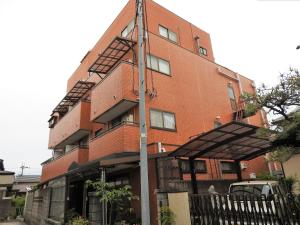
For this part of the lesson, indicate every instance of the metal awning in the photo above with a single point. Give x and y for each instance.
(115, 51)
(73, 96)
(233, 141)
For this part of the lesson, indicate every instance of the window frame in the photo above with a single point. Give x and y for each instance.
(168, 34)
(200, 171)
(126, 28)
(232, 170)
(233, 103)
(162, 114)
(203, 51)
(157, 58)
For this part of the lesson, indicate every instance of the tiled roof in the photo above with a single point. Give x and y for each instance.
(28, 179)
(6, 173)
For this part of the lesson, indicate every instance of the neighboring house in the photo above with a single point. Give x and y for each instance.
(94, 129)
(292, 169)
(24, 183)
(7, 179)
(6, 183)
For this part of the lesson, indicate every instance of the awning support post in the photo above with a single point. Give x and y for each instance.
(238, 170)
(193, 176)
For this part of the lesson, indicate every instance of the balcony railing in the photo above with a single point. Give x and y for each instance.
(122, 138)
(115, 94)
(72, 127)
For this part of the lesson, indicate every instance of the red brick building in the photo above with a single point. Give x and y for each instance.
(188, 93)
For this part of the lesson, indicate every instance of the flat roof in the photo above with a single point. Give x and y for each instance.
(232, 141)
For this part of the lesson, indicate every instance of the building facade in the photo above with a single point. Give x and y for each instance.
(95, 126)
(6, 191)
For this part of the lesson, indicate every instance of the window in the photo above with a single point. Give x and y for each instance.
(125, 118)
(203, 51)
(98, 132)
(164, 120)
(166, 33)
(228, 167)
(200, 166)
(158, 64)
(128, 28)
(232, 98)
(217, 124)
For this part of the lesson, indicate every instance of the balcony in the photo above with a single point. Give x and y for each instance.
(123, 138)
(72, 127)
(115, 94)
(55, 167)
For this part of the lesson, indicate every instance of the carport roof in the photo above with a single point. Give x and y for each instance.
(233, 141)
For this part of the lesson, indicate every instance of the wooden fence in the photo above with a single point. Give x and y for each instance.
(245, 209)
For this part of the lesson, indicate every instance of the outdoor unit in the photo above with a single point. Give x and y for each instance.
(160, 148)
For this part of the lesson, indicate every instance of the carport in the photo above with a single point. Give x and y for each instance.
(233, 141)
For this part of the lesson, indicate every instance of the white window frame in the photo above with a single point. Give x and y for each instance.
(153, 60)
(203, 51)
(160, 27)
(128, 29)
(163, 127)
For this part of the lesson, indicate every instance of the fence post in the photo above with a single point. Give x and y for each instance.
(193, 176)
(238, 170)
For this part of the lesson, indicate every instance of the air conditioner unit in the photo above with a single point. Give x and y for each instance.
(243, 165)
(160, 148)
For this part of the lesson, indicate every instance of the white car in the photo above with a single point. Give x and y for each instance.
(256, 188)
(250, 191)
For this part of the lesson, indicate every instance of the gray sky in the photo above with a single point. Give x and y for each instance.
(43, 41)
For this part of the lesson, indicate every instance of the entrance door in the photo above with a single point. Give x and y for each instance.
(76, 190)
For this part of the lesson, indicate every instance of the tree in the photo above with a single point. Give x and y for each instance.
(279, 100)
(117, 199)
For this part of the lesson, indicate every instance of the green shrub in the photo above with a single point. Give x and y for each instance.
(167, 217)
(18, 202)
(265, 176)
(78, 221)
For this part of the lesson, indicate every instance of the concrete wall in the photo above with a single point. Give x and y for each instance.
(95, 210)
(7, 179)
(292, 168)
(5, 208)
(44, 203)
(179, 204)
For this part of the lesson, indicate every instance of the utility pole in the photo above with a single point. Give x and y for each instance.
(142, 114)
(23, 167)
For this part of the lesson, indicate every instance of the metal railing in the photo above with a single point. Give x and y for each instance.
(245, 209)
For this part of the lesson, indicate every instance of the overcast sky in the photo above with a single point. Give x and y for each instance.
(43, 41)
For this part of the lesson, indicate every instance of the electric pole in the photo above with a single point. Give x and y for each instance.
(142, 114)
(23, 167)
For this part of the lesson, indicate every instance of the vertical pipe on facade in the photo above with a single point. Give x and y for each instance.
(145, 208)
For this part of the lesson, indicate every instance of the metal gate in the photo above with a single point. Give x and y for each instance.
(245, 209)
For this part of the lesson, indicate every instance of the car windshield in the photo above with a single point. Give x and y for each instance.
(257, 189)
